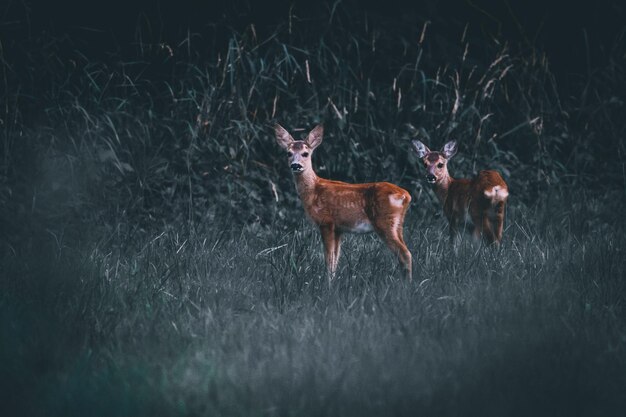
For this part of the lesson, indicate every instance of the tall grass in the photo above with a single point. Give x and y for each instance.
(181, 133)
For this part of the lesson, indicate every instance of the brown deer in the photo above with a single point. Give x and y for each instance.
(483, 197)
(338, 207)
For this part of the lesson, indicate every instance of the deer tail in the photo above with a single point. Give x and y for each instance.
(497, 194)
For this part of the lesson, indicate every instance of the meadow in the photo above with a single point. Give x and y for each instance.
(155, 259)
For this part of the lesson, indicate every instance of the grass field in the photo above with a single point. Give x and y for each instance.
(240, 322)
(155, 260)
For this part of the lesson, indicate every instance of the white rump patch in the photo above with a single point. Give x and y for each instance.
(396, 201)
(497, 193)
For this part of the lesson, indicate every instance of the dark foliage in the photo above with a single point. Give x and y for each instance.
(179, 131)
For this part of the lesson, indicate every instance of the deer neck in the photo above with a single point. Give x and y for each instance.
(442, 186)
(305, 183)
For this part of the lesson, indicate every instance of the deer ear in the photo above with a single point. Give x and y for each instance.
(315, 137)
(283, 137)
(449, 149)
(421, 149)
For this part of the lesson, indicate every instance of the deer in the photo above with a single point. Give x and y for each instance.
(338, 207)
(483, 197)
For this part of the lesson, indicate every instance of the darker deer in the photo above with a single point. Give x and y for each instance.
(483, 197)
(338, 207)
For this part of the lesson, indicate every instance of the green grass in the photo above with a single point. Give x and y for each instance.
(241, 322)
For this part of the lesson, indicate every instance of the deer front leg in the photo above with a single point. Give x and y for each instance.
(481, 223)
(328, 238)
(453, 228)
(477, 233)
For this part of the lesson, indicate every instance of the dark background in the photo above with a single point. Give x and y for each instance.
(566, 61)
(561, 28)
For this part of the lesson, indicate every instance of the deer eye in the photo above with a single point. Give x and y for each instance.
(439, 165)
(289, 154)
(305, 154)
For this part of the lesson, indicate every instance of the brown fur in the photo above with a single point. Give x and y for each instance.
(338, 207)
(487, 214)
(483, 197)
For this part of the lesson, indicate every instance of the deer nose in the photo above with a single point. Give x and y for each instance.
(296, 167)
(431, 178)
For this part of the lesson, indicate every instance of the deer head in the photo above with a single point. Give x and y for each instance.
(299, 151)
(436, 163)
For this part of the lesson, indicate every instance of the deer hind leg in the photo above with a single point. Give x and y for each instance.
(482, 226)
(498, 220)
(406, 258)
(337, 252)
(400, 232)
(396, 244)
(328, 238)
(399, 227)
(488, 233)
